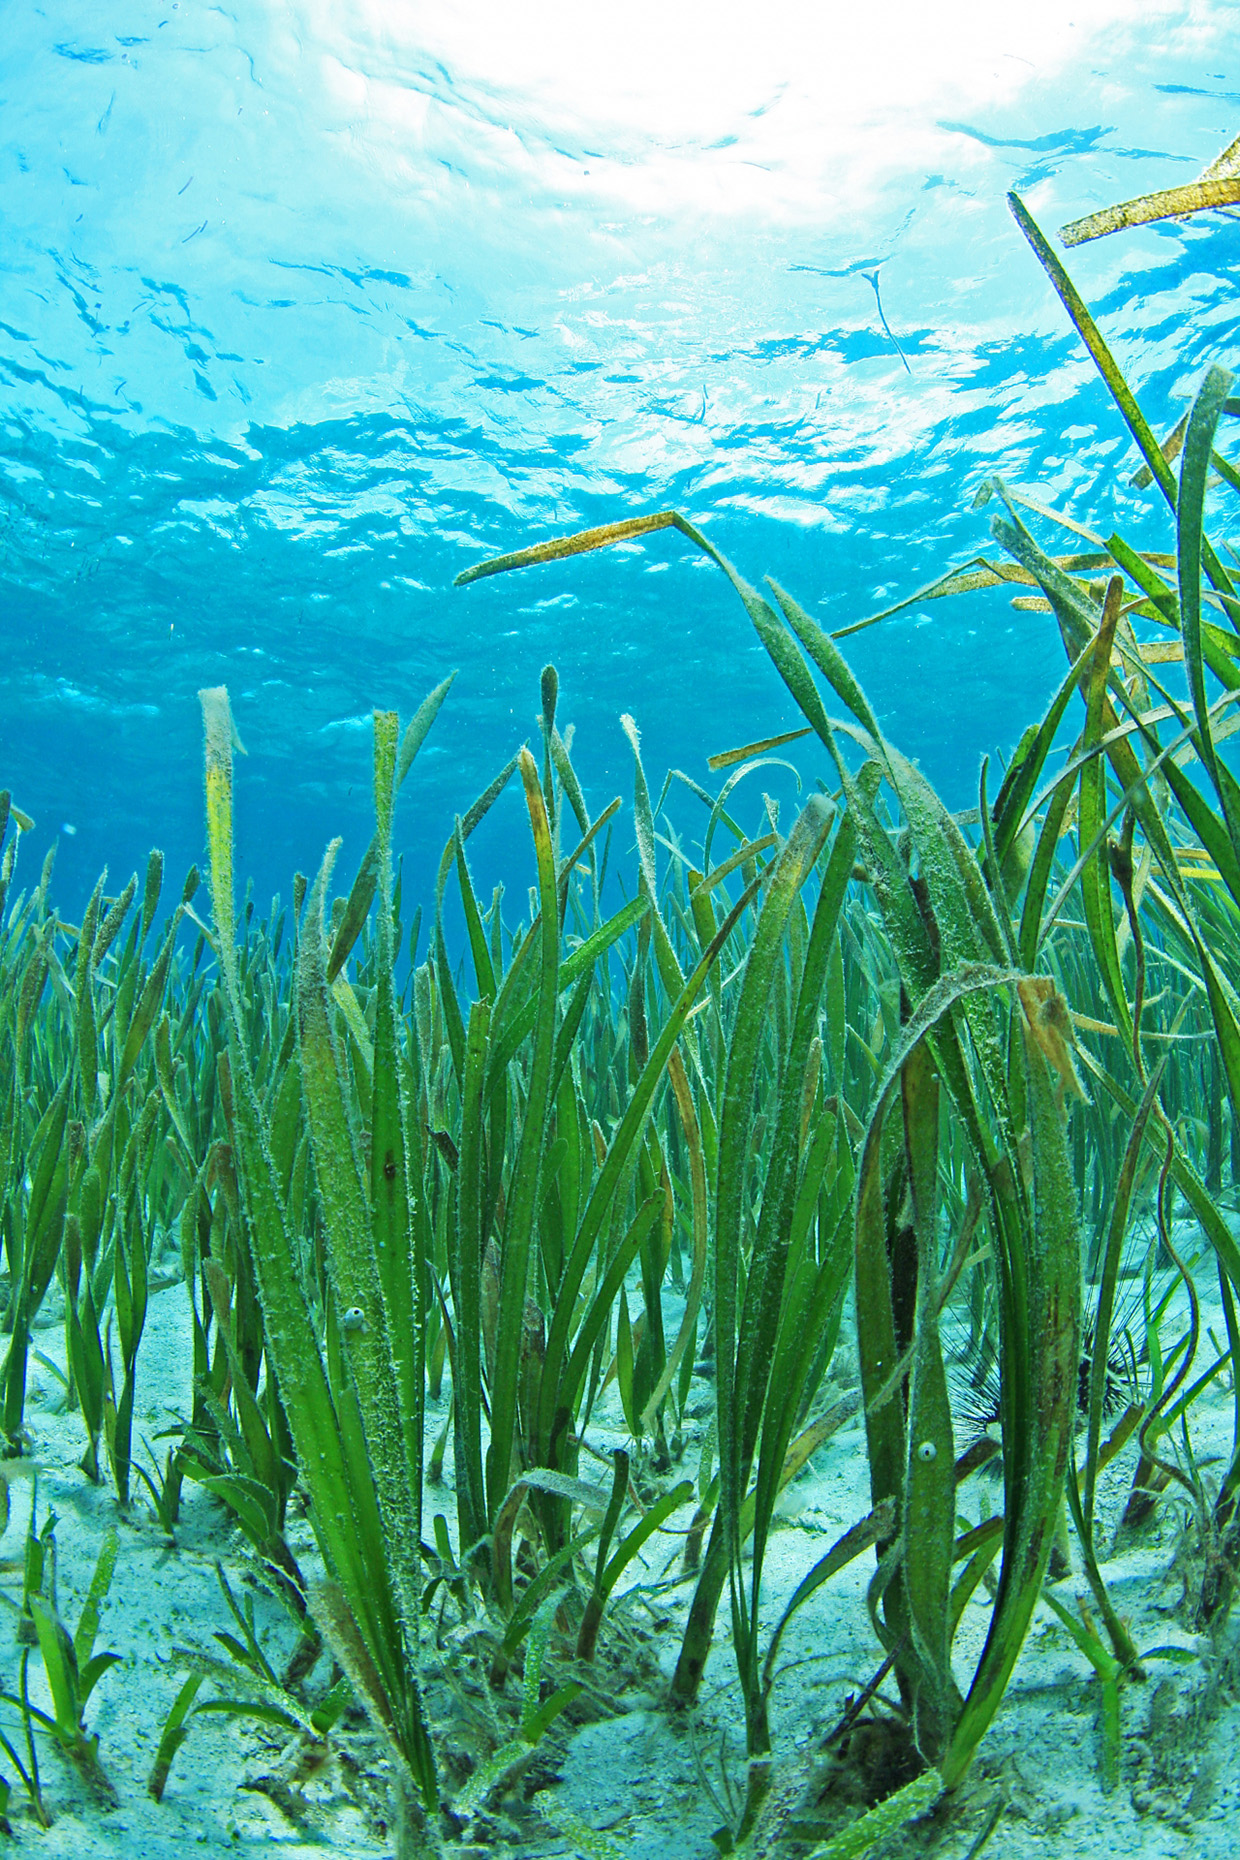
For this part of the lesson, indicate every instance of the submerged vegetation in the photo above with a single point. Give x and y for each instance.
(881, 1106)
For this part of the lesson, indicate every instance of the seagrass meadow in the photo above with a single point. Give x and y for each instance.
(766, 1293)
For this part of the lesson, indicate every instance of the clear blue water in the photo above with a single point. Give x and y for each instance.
(303, 309)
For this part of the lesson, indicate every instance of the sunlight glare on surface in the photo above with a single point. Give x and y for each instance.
(799, 105)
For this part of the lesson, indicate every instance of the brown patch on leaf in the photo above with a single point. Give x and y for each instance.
(1050, 1024)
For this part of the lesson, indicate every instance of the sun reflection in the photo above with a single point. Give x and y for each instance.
(791, 108)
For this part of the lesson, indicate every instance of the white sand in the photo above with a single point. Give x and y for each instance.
(642, 1776)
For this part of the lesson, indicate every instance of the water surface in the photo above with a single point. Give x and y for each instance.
(303, 310)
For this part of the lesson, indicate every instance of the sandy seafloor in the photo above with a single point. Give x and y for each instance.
(641, 1777)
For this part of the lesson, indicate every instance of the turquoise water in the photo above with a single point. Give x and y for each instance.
(305, 309)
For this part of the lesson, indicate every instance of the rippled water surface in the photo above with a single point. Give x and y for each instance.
(305, 308)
